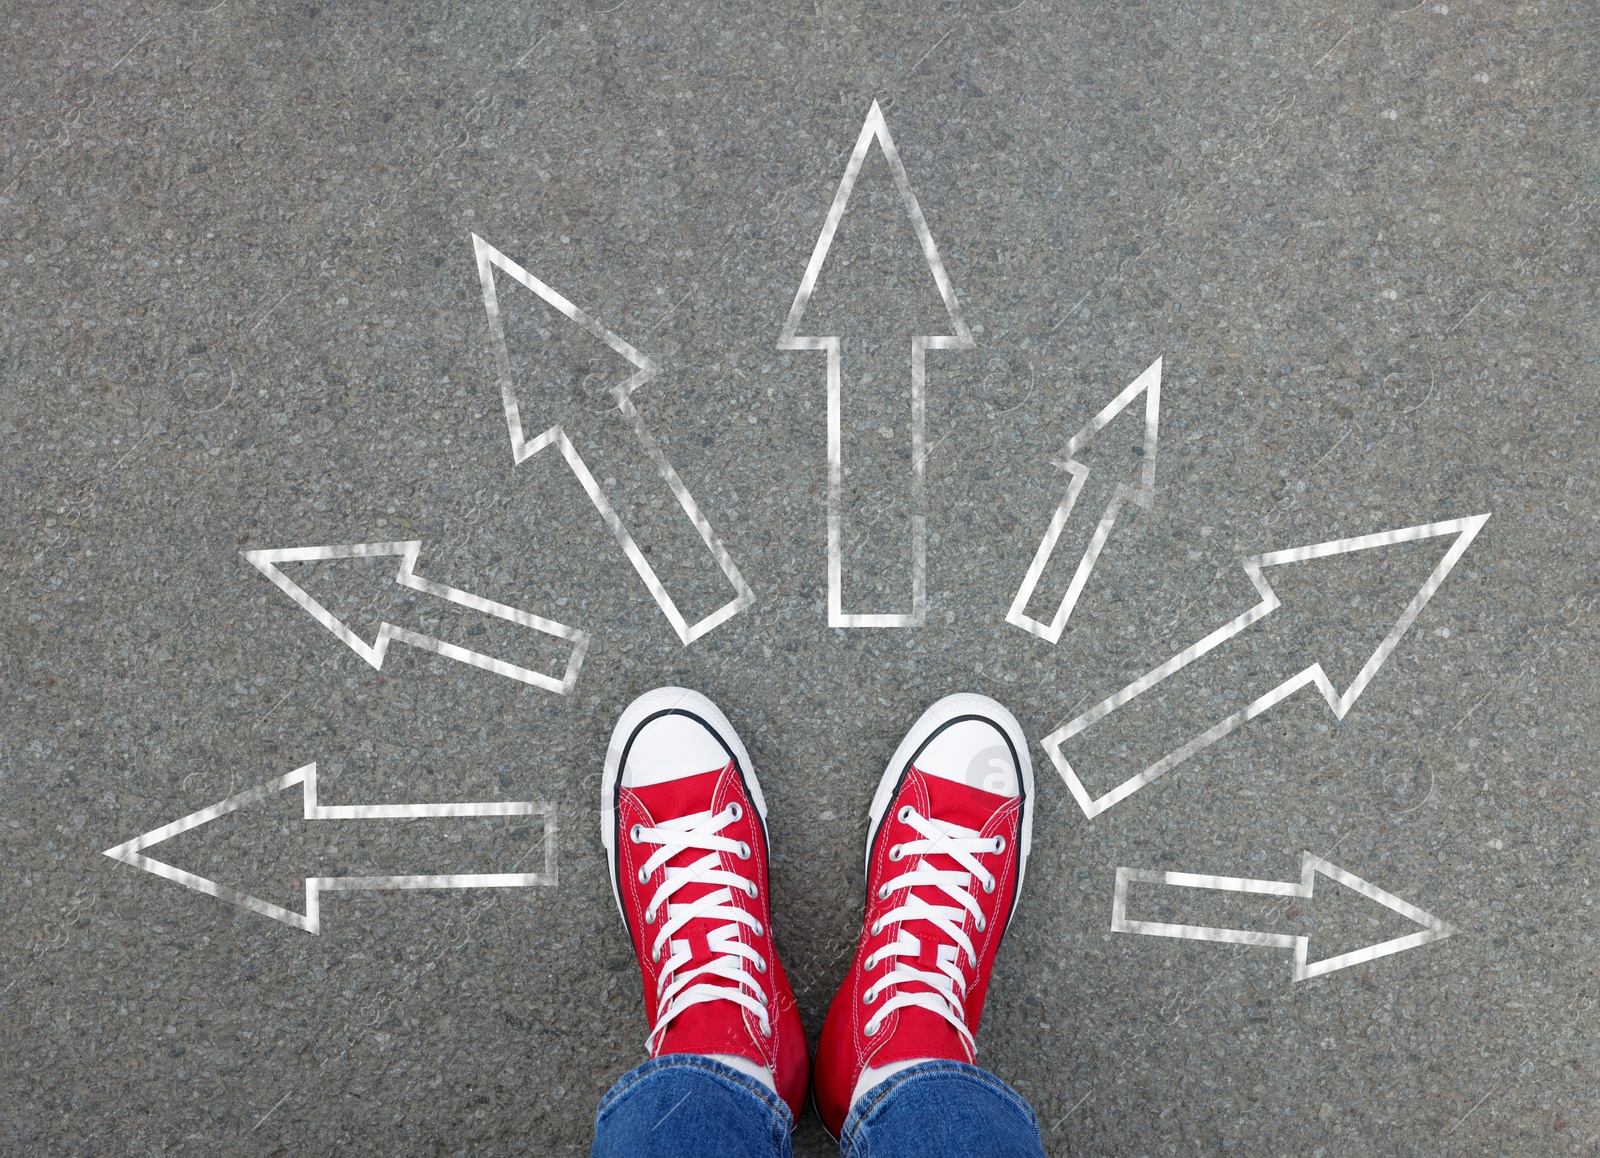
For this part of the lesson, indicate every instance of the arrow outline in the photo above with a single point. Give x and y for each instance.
(1142, 495)
(1466, 529)
(265, 561)
(875, 127)
(489, 258)
(131, 852)
(1310, 864)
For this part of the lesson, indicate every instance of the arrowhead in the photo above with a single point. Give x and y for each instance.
(1433, 929)
(1463, 531)
(1147, 385)
(489, 259)
(875, 129)
(132, 852)
(266, 562)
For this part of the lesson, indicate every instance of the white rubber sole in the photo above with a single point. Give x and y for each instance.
(931, 721)
(654, 703)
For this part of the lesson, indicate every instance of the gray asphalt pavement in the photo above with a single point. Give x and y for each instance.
(241, 311)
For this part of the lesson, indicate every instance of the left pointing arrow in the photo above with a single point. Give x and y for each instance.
(132, 852)
(266, 562)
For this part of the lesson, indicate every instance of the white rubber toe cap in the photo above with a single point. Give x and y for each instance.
(671, 747)
(972, 752)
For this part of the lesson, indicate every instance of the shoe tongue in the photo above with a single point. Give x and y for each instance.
(679, 797)
(956, 803)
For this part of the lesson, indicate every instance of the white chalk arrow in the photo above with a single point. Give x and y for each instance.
(490, 259)
(266, 562)
(1142, 495)
(1433, 929)
(132, 852)
(1464, 530)
(790, 339)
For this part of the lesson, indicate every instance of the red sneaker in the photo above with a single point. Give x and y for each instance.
(952, 821)
(685, 831)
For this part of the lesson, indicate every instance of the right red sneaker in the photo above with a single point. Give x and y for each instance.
(952, 821)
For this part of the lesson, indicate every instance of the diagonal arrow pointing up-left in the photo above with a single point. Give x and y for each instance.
(266, 562)
(132, 852)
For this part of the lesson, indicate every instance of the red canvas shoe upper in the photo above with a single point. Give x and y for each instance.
(944, 869)
(690, 869)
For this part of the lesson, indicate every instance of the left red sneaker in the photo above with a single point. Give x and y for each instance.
(948, 842)
(685, 830)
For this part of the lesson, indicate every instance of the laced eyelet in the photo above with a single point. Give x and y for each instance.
(644, 877)
(999, 844)
(744, 851)
(649, 916)
(636, 833)
(758, 930)
(988, 885)
(761, 965)
(655, 956)
(981, 924)
(896, 852)
(750, 888)
(905, 814)
(869, 997)
(877, 927)
(870, 1030)
(735, 811)
(883, 893)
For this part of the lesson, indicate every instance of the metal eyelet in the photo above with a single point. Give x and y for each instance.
(655, 956)
(761, 965)
(883, 893)
(877, 927)
(735, 811)
(636, 833)
(644, 877)
(981, 924)
(750, 888)
(744, 851)
(905, 814)
(869, 1030)
(757, 930)
(896, 852)
(869, 997)
(649, 916)
(999, 844)
(988, 885)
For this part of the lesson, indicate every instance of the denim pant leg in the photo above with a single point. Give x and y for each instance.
(688, 1106)
(941, 1109)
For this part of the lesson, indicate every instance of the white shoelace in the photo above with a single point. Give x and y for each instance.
(941, 992)
(675, 993)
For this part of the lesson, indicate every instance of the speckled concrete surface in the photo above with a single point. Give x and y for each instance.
(240, 310)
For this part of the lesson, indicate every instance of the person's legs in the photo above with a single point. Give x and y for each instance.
(941, 1109)
(686, 1104)
(684, 825)
(947, 847)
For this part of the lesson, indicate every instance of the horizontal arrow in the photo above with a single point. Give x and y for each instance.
(1465, 530)
(266, 562)
(875, 128)
(1433, 929)
(132, 852)
(1142, 495)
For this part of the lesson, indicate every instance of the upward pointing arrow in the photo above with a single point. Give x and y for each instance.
(1142, 495)
(791, 339)
(1465, 530)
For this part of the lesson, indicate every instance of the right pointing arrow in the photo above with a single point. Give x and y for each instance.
(267, 563)
(1433, 929)
(1142, 495)
(1464, 530)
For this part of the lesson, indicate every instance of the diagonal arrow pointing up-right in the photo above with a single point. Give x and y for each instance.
(1464, 530)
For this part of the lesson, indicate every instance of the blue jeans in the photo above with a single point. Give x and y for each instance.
(689, 1106)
